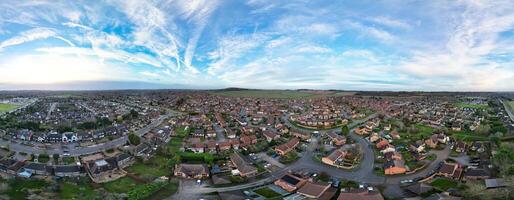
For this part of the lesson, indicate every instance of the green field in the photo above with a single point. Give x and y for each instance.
(18, 188)
(73, 191)
(6, 107)
(266, 192)
(279, 94)
(122, 185)
(444, 184)
(470, 105)
(156, 167)
(510, 104)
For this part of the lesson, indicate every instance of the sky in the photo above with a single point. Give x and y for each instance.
(267, 44)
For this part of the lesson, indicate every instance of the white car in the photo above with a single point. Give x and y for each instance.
(406, 181)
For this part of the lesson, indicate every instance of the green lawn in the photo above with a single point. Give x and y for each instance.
(157, 166)
(43, 158)
(278, 94)
(122, 185)
(191, 156)
(467, 136)
(424, 131)
(68, 160)
(266, 192)
(471, 105)
(166, 191)
(510, 104)
(444, 184)
(18, 187)
(6, 107)
(73, 191)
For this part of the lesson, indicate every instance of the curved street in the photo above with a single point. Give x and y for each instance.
(362, 174)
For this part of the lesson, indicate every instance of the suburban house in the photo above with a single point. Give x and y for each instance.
(123, 160)
(290, 182)
(313, 190)
(10, 166)
(244, 168)
(360, 194)
(418, 146)
(270, 135)
(476, 174)
(392, 167)
(432, 141)
(68, 171)
(39, 169)
(448, 169)
(460, 146)
(198, 147)
(25, 134)
(336, 139)
(336, 158)
(191, 171)
(69, 137)
(302, 135)
(419, 188)
(287, 147)
(224, 146)
(100, 167)
(53, 137)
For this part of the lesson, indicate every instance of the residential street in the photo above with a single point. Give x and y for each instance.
(84, 150)
(361, 174)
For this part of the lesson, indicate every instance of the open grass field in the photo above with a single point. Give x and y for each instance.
(470, 105)
(510, 105)
(18, 187)
(122, 185)
(157, 166)
(72, 191)
(280, 94)
(6, 107)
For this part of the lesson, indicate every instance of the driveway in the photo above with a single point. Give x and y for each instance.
(270, 160)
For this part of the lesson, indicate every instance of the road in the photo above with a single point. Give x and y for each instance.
(361, 174)
(78, 151)
(508, 110)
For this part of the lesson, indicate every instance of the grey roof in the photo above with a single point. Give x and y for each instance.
(67, 169)
(494, 183)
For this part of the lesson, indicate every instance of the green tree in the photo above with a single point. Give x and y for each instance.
(134, 139)
(345, 130)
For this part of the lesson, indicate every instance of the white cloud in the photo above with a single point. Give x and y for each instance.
(27, 36)
(369, 31)
(32, 69)
(464, 63)
(230, 49)
(387, 21)
(150, 74)
(313, 49)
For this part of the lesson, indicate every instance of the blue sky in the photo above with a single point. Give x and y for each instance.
(268, 44)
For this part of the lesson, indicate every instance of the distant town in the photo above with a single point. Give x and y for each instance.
(256, 144)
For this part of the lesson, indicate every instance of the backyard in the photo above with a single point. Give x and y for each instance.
(122, 185)
(266, 192)
(444, 184)
(155, 167)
